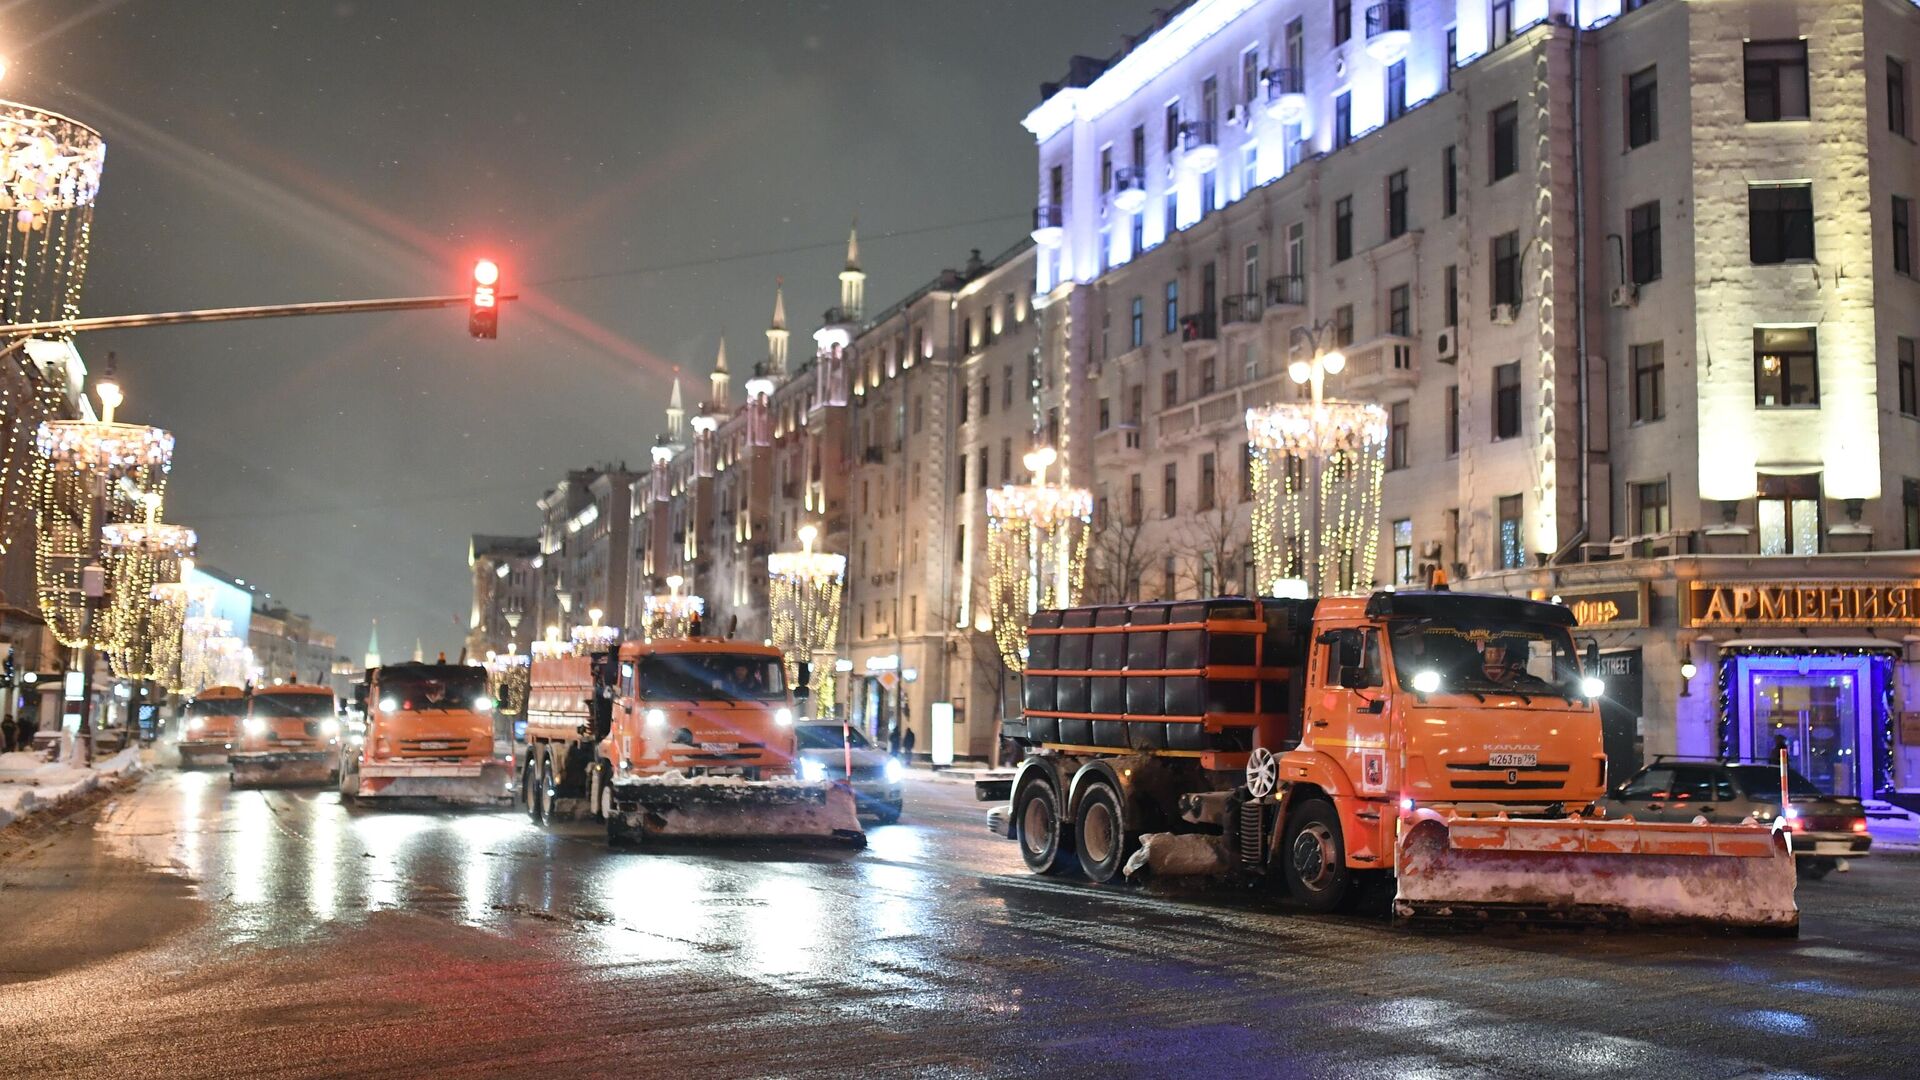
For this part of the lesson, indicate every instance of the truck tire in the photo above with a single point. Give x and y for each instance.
(596, 785)
(1814, 869)
(1315, 858)
(349, 778)
(1100, 833)
(1044, 844)
(530, 784)
(543, 793)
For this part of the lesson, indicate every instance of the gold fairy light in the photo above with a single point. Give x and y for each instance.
(592, 636)
(1037, 536)
(1317, 471)
(672, 615)
(804, 590)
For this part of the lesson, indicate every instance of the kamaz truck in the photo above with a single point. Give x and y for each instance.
(1450, 741)
(425, 731)
(291, 735)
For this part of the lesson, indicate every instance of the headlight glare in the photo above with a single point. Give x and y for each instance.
(895, 771)
(783, 716)
(656, 718)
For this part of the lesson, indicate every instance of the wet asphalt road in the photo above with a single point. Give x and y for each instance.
(184, 929)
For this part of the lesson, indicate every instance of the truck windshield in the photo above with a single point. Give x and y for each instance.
(310, 706)
(217, 707)
(827, 737)
(437, 686)
(711, 677)
(1763, 782)
(1487, 658)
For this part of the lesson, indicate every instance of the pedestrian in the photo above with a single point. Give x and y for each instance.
(893, 740)
(906, 744)
(9, 731)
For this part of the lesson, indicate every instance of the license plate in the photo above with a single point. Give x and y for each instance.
(716, 747)
(435, 746)
(1514, 761)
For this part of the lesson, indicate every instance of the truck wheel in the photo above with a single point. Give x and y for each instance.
(1100, 833)
(530, 785)
(1044, 845)
(1814, 869)
(596, 788)
(543, 794)
(1315, 858)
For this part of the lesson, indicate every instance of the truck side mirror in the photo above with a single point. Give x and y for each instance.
(1592, 657)
(1352, 655)
(802, 681)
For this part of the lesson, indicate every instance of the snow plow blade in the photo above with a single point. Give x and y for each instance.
(730, 809)
(202, 757)
(463, 783)
(1470, 871)
(280, 770)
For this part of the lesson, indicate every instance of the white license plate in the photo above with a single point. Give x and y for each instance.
(717, 747)
(435, 746)
(1514, 761)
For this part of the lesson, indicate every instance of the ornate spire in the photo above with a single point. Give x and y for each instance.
(777, 333)
(373, 646)
(779, 303)
(720, 380)
(853, 280)
(676, 412)
(853, 246)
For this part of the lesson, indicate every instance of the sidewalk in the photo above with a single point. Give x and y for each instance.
(30, 783)
(1893, 829)
(958, 774)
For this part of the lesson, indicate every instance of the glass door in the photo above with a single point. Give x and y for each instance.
(1814, 716)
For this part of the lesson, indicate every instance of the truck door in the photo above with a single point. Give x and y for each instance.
(1348, 718)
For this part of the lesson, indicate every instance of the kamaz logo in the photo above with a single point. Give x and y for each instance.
(1513, 776)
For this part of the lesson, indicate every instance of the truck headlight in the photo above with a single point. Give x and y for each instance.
(1592, 687)
(483, 703)
(783, 716)
(388, 704)
(255, 726)
(812, 770)
(895, 771)
(329, 728)
(195, 723)
(1426, 682)
(656, 718)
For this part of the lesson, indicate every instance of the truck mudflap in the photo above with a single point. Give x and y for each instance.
(467, 783)
(1455, 871)
(281, 768)
(730, 808)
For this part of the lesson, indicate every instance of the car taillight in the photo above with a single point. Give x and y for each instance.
(1860, 825)
(1797, 824)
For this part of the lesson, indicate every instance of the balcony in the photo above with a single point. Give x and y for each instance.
(1387, 362)
(1198, 327)
(1199, 145)
(1388, 31)
(1119, 443)
(1047, 228)
(1285, 291)
(1129, 191)
(1287, 94)
(1241, 308)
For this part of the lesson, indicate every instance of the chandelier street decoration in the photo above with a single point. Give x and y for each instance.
(593, 637)
(551, 647)
(673, 615)
(138, 556)
(210, 654)
(1317, 467)
(167, 641)
(805, 588)
(508, 679)
(1037, 536)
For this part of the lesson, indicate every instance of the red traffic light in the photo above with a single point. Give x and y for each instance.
(483, 306)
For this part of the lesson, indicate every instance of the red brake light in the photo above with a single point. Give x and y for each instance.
(1860, 825)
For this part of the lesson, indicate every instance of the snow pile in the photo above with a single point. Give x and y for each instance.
(1177, 855)
(676, 778)
(29, 782)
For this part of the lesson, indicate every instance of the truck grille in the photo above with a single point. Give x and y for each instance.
(1482, 777)
(1250, 834)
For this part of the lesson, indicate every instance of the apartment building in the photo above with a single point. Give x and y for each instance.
(1628, 278)
(506, 585)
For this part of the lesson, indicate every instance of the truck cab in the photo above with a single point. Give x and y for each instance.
(425, 730)
(291, 735)
(211, 726)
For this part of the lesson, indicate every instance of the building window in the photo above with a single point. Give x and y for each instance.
(1136, 502)
(1643, 108)
(1169, 489)
(1250, 271)
(1169, 389)
(1896, 96)
(1452, 56)
(1400, 310)
(1403, 551)
(1453, 421)
(1207, 479)
(1136, 404)
(1137, 323)
(1246, 472)
(1450, 295)
(1506, 269)
(984, 461)
(1343, 326)
(1342, 119)
(965, 403)
(1650, 513)
(1500, 23)
(961, 478)
(1172, 122)
(1779, 222)
(1449, 183)
(1106, 414)
(1504, 138)
(986, 396)
(1909, 393)
(1171, 215)
(1172, 320)
(1902, 235)
(1786, 367)
(1006, 461)
(1506, 401)
(1398, 415)
(1513, 552)
(1006, 384)
(1776, 80)
(1396, 90)
(1649, 382)
(1342, 21)
(1397, 204)
(1910, 511)
(1643, 225)
(1137, 234)
(1249, 77)
(1209, 380)
(1789, 514)
(1249, 167)
(1343, 228)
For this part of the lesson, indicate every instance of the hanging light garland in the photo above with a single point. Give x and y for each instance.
(593, 637)
(672, 615)
(166, 641)
(1037, 536)
(508, 679)
(805, 587)
(1317, 470)
(138, 556)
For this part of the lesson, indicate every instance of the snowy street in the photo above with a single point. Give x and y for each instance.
(186, 929)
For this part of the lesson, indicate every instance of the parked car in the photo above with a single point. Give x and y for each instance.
(876, 775)
(1827, 829)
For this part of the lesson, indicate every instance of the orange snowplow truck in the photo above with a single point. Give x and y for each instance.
(212, 725)
(426, 733)
(291, 736)
(1448, 739)
(684, 737)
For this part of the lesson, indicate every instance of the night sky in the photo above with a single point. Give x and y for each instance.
(643, 172)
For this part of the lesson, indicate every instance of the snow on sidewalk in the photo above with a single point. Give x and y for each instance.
(29, 782)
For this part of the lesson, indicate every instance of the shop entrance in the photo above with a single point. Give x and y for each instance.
(1620, 713)
(1817, 707)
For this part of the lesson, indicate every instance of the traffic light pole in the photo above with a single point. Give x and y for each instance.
(236, 314)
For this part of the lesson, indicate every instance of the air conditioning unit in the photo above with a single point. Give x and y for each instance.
(1447, 346)
(1503, 314)
(1625, 296)
(1237, 115)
